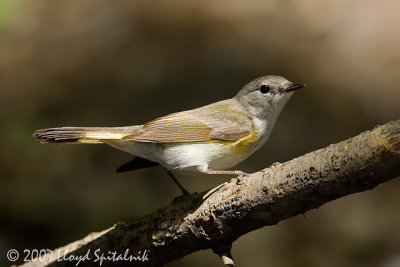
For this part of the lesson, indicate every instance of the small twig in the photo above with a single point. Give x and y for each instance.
(224, 252)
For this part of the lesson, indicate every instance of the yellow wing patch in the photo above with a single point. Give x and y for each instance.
(244, 145)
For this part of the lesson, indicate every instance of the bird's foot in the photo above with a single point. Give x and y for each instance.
(237, 180)
(275, 164)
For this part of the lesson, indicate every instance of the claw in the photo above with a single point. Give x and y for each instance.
(275, 164)
(238, 179)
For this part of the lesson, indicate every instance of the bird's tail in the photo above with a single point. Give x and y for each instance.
(85, 135)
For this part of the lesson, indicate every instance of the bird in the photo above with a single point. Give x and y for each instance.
(210, 139)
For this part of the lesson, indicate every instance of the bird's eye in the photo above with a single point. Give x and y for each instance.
(264, 89)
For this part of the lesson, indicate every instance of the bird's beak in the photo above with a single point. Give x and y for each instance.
(295, 86)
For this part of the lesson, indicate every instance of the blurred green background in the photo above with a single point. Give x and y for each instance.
(114, 63)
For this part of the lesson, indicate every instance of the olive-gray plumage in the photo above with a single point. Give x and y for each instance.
(208, 139)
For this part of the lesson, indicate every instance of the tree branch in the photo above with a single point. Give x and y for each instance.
(266, 197)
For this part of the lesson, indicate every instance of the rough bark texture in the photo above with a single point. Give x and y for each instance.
(276, 193)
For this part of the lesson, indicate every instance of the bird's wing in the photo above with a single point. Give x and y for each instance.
(224, 120)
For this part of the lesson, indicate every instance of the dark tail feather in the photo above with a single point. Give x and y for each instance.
(88, 135)
(137, 164)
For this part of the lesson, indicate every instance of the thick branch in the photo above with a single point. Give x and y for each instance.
(276, 193)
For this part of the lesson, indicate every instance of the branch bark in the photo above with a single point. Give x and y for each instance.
(189, 224)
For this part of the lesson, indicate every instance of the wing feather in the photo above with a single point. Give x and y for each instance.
(223, 120)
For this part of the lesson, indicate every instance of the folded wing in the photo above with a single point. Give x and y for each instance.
(224, 120)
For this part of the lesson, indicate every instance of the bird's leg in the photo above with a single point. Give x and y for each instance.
(184, 191)
(204, 169)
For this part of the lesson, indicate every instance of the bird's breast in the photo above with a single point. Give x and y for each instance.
(254, 140)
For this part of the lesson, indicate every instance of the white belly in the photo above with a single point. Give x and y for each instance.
(188, 156)
(183, 156)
